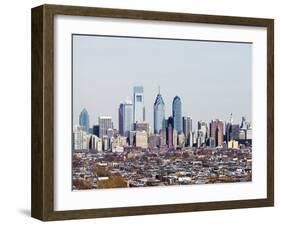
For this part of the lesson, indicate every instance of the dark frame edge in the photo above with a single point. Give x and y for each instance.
(158, 209)
(42, 113)
(37, 199)
(270, 111)
(155, 15)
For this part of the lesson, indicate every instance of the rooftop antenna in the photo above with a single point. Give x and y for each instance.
(231, 118)
(158, 89)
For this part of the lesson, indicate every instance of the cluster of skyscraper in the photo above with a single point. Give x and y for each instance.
(131, 115)
(173, 132)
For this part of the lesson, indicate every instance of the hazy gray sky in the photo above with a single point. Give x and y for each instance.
(212, 79)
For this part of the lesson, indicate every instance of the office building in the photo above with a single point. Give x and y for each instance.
(194, 137)
(78, 134)
(233, 144)
(154, 141)
(177, 114)
(110, 132)
(86, 141)
(181, 140)
(186, 125)
(200, 138)
(138, 100)
(141, 139)
(242, 134)
(119, 141)
(96, 130)
(190, 139)
(163, 138)
(249, 134)
(235, 131)
(212, 142)
(105, 143)
(126, 118)
(216, 131)
(142, 126)
(132, 137)
(169, 133)
(159, 113)
(96, 143)
(105, 123)
(245, 133)
(232, 132)
(121, 119)
(175, 138)
(81, 139)
(244, 124)
(84, 120)
(203, 130)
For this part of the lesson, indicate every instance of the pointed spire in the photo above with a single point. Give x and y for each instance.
(159, 98)
(231, 119)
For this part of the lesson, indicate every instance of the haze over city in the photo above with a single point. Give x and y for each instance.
(213, 79)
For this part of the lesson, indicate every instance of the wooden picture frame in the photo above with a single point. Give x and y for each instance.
(42, 203)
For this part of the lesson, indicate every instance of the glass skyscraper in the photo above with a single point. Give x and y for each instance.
(139, 110)
(121, 118)
(187, 125)
(84, 120)
(177, 114)
(125, 118)
(159, 113)
(105, 123)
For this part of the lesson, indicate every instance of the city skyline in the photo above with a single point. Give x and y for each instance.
(125, 126)
(206, 100)
(178, 117)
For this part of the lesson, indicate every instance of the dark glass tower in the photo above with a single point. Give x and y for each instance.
(169, 132)
(177, 116)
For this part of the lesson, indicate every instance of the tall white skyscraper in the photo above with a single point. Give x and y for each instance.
(139, 110)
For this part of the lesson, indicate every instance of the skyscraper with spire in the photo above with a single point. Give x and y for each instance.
(159, 113)
(231, 130)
